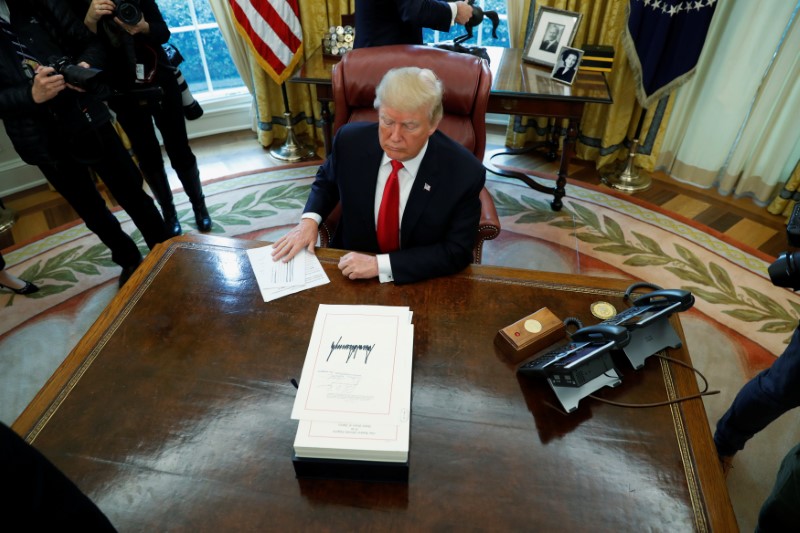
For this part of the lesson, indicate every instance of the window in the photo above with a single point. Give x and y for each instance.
(207, 67)
(482, 34)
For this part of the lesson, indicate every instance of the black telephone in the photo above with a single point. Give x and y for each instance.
(603, 333)
(584, 358)
(667, 297)
(650, 306)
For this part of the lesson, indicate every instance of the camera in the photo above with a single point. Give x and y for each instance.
(784, 271)
(128, 11)
(191, 107)
(90, 79)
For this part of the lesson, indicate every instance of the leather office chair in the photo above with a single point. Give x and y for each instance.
(467, 81)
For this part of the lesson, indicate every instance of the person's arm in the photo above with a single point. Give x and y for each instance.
(322, 199)
(433, 14)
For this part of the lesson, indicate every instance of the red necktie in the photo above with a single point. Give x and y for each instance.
(389, 214)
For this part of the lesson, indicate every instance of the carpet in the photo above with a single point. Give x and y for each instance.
(738, 325)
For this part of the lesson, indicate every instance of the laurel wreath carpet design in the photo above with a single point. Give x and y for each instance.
(739, 324)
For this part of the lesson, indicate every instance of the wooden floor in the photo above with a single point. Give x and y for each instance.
(41, 210)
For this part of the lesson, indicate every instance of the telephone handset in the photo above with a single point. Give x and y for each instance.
(648, 307)
(665, 297)
(588, 343)
(603, 333)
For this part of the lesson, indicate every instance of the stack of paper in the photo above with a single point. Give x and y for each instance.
(354, 396)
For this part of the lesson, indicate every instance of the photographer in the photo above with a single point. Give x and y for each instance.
(63, 129)
(760, 401)
(133, 32)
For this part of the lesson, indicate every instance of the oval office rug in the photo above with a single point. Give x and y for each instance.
(739, 324)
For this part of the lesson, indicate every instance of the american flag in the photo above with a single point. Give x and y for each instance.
(663, 40)
(272, 29)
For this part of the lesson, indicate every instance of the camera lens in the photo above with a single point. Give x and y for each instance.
(129, 13)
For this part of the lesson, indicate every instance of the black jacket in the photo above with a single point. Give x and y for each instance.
(125, 50)
(50, 30)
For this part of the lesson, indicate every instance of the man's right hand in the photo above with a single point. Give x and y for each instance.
(303, 235)
(463, 12)
(46, 84)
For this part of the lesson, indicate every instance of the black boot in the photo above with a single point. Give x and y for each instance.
(159, 185)
(190, 178)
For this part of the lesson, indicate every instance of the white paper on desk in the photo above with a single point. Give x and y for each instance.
(271, 274)
(357, 366)
(314, 273)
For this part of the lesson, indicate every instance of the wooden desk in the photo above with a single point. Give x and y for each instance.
(173, 412)
(518, 88)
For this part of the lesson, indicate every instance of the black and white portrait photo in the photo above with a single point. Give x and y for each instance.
(552, 36)
(567, 63)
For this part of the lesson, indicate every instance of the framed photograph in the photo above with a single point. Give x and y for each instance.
(566, 67)
(552, 29)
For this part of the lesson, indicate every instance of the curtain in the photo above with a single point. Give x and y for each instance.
(268, 107)
(734, 125)
(605, 130)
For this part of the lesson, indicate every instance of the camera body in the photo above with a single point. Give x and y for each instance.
(785, 271)
(89, 79)
(128, 11)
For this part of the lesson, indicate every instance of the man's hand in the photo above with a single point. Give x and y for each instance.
(140, 27)
(303, 235)
(463, 12)
(46, 84)
(97, 10)
(358, 266)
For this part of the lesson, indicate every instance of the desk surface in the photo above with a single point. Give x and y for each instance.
(511, 78)
(173, 412)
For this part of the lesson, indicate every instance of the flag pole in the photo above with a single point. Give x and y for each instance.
(291, 150)
(624, 175)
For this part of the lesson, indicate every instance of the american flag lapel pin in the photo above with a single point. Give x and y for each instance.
(427, 187)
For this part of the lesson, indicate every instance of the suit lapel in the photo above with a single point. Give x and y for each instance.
(428, 179)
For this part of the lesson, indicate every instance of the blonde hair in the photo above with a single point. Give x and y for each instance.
(409, 89)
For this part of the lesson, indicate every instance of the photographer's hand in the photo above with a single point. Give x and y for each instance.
(46, 84)
(97, 10)
(140, 27)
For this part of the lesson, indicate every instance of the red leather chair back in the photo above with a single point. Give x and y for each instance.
(466, 79)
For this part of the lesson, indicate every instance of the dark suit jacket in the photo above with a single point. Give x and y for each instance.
(550, 46)
(382, 22)
(440, 221)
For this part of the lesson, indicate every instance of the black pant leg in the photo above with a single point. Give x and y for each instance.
(169, 118)
(104, 152)
(72, 180)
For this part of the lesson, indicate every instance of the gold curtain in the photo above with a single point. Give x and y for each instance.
(784, 203)
(316, 17)
(604, 129)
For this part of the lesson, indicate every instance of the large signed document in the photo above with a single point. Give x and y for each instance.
(354, 396)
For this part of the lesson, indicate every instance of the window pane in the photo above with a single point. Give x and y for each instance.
(486, 33)
(192, 66)
(204, 13)
(175, 12)
(482, 34)
(220, 65)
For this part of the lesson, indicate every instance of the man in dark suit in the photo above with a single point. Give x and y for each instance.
(436, 207)
(382, 22)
